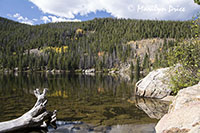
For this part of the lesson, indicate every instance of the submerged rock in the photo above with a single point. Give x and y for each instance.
(155, 85)
(80, 127)
(184, 112)
(142, 128)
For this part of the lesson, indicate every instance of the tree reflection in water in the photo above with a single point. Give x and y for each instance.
(100, 100)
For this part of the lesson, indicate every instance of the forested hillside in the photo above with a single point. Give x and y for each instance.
(99, 43)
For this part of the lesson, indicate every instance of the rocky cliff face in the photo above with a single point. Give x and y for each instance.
(183, 114)
(150, 46)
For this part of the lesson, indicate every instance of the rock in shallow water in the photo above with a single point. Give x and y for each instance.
(142, 128)
(155, 85)
(80, 127)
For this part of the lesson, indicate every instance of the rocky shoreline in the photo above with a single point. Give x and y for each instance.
(184, 112)
(123, 71)
(183, 115)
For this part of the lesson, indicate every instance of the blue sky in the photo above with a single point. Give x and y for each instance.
(46, 11)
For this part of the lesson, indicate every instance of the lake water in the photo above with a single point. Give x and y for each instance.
(96, 103)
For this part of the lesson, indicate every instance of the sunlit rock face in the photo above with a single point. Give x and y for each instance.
(155, 85)
(154, 108)
(185, 97)
(184, 112)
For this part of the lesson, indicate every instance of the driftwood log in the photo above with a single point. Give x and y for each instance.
(37, 117)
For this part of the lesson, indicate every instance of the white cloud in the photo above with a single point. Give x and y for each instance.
(27, 21)
(62, 19)
(45, 19)
(16, 15)
(120, 8)
(35, 19)
(55, 19)
(21, 19)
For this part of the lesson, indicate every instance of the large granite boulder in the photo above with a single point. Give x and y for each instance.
(184, 112)
(155, 85)
(185, 97)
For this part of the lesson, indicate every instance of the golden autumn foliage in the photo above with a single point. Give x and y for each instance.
(59, 93)
(100, 53)
(79, 31)
(55, 49)
(101, 90)
(140, 46)
(131, 101)
(131, 42)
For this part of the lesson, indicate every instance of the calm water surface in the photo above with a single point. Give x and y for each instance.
(102, 102)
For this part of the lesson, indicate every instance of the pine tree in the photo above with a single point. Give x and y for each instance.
(156, 62)
(145, 62)
(137, 70)
(132, 67)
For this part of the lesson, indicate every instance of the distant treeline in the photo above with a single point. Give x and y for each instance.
(99, 43)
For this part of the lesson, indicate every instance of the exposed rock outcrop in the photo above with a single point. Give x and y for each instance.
(184, 112)
(155, 85)
(124, 71)
(185, 97)
(92, 70)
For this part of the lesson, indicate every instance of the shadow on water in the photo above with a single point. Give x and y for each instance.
(96, 103)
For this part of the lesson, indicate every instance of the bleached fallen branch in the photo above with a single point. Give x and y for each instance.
(37, 117)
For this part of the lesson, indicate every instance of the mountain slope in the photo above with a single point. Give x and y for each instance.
(98, 43)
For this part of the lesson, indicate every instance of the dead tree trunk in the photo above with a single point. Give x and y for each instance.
(37, 117)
